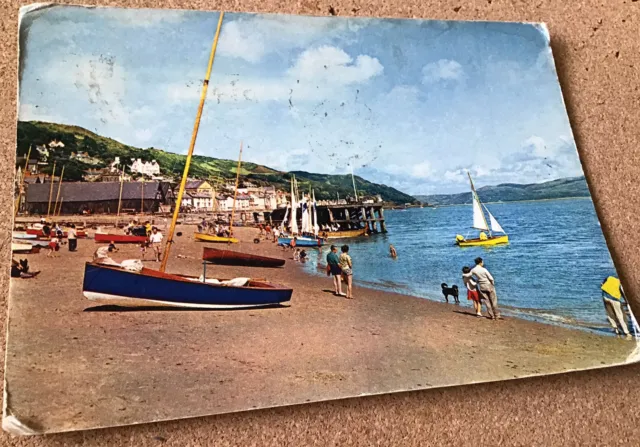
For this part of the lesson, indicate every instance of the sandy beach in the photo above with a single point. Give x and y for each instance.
(74, 364)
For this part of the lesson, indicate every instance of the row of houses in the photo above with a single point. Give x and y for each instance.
(148, 197)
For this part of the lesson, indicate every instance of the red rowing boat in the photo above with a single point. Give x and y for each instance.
(39, 233)
(230, 257)
(119, 238)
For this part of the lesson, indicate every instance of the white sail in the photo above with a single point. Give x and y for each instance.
(479, 222)
(495, 226)
(286, 214)
(293, 224)
(316, 227)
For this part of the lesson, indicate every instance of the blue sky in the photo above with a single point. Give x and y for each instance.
(409, 103)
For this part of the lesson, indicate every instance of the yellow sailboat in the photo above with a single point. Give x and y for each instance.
(480, 223)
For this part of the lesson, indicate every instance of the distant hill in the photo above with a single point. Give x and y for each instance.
(511, 192)
(78, 139)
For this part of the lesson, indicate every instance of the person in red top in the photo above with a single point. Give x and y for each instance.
(267, 230)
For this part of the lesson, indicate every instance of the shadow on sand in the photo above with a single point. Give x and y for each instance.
(116, 308)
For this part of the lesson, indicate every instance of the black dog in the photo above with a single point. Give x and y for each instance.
(453, 291)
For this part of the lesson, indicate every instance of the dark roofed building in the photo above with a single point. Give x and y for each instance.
(99, 197)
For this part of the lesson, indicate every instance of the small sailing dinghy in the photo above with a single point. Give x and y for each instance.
(204, 237)
(132, 284)
(480, 223)
(230, 257)
(114, 284)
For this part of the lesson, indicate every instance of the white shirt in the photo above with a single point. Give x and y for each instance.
(157, 237)
(484, 278)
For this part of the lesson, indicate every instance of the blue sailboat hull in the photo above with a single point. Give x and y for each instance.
(149, 287)
(301, 242)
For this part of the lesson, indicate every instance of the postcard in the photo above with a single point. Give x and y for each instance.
(217, 212)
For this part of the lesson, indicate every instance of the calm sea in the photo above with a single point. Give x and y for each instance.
(551, 271)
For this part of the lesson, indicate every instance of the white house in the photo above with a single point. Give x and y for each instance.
(149, 168)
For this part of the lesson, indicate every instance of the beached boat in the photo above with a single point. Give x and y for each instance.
(24, 248)
(23, 235)
(37, 232)
(116, 285)
(106, 238)
(480, 223)
(230, 257)
(345, 234)
(301, 241)
(204, 237)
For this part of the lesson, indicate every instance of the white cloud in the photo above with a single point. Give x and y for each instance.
(245, 38)
(239, 41)
(31, 112)
(317, 74)
(442, 70)
(331, 64)
(143, 18)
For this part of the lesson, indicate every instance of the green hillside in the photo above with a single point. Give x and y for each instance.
(511, 192)
(78, 139)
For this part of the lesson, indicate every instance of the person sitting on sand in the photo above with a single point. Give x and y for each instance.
(486, 288)
(21, 269)
(392, 251)
(472, 290)
(333, 265)
(296, 254)
(276, 234)
(346, 265)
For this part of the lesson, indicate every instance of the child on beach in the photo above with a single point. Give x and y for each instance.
(346, 266)
(472, 290)
(54, 246)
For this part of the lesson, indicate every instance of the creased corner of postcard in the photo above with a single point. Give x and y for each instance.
(10, 423)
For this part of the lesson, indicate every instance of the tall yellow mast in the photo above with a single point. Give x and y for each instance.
(194, 135)
(21, 190)
(55, 207)
(53, 174)
(233, 208)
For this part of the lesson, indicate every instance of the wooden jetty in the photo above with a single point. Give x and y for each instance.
(349, 216)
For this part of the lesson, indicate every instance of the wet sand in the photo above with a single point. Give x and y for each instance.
(72, 364)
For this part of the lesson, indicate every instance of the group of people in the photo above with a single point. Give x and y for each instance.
(481, 289)
(217, 229)
(340, 267)
(55, 234)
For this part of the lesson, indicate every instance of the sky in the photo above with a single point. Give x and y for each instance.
(412, 104)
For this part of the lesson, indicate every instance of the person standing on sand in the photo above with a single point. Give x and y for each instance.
(333, 269)
(276, 234)
(472, 290)
(72, 237)
(346, 265)
(487, 288)
(612, 295)
(156, 242)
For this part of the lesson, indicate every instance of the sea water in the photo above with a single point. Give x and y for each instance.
(551, 270)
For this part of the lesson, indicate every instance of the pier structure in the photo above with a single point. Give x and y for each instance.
(350, 216)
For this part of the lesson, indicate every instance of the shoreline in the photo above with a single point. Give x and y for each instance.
(524, 314)
(74, 364)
